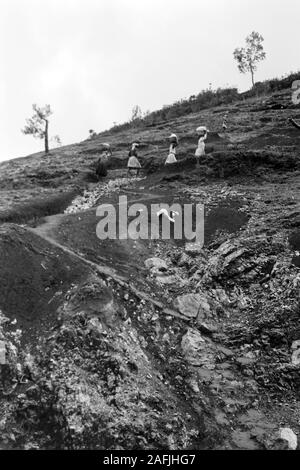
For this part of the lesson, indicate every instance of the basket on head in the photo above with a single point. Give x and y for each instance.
(201, 130)
(173, 139)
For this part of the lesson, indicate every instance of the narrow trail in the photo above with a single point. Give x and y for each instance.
(103, 270)
(52, 222)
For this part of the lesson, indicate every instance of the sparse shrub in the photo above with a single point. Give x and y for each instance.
(204, 100)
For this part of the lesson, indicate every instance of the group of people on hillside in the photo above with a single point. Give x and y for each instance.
(134, 166)
(202, 133)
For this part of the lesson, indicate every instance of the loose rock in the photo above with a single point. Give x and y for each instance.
(288, 435)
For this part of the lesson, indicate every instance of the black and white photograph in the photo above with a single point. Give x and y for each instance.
(149, 229)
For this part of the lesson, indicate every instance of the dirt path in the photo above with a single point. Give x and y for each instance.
(102, 270)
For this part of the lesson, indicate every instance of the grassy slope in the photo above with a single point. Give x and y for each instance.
(66, 169)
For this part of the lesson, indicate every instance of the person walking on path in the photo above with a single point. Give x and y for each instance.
(101, 166)
(200, 150)
(224, 125)
(133, 163)
(172, 150)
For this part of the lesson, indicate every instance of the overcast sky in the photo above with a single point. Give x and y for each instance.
(93, 60)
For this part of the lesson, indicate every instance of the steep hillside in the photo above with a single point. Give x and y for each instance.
(254, 124)
(155, 344)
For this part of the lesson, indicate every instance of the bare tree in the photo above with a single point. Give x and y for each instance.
(38, 124)
(248, 57)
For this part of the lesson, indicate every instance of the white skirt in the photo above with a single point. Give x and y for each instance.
(200, 151)
(171, 159)
(133, 163)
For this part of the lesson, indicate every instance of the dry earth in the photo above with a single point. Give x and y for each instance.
(155, 344)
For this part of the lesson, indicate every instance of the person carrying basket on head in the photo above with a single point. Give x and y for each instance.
(172, 150)
(200, 150)
(133, 163)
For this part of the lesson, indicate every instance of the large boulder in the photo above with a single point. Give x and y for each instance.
(197, 350)
(193, 306)
(290, 437)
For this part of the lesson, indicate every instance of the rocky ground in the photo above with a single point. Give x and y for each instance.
(155, 344)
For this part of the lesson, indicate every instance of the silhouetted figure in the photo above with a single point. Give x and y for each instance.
(101, 166)
(133, 164)
(224, 125)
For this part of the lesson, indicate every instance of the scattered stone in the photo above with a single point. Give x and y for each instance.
(226, 248)
(221, 418)
(222, 297)
(204, 309)
(228, 375)
(184, 260)
(233, 256)
(193, 385)
(168, 280)
(157, 264)
(205, 375)
(193, 249)
(224, 366)
(188, 305)
(245, 361)
(207, 328)
(197, 350)
(90, 197)
(191, 343)
(95, 325)
(225, 351)
(193, 306)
